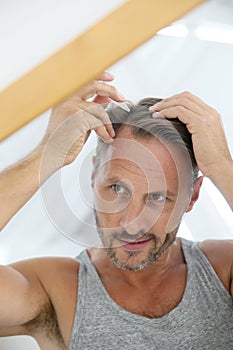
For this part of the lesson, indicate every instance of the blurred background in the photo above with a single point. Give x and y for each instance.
(195, 53)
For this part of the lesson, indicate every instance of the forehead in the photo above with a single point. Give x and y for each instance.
(138, 157)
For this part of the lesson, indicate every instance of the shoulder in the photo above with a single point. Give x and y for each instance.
(46, 267)
(219, 250)
(58, 276)
(220, 255)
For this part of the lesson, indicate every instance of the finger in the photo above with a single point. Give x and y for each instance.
(95, 115)
(106, 90)
(103, 134)
(102, 89)
(191, 119)
(92, 122)
(104, 101)
(99, 112)
(106, 76)
(182, 102)
(184, 95)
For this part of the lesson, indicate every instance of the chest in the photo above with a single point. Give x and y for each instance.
(151, 301)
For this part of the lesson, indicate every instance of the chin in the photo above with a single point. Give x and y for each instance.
(139, 260)
(132, 260)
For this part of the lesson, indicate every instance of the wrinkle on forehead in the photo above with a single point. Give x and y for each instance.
(149, 155)
(126, 171)
(151, 158)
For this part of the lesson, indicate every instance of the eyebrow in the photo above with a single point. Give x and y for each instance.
(167, 193)
(120, 182)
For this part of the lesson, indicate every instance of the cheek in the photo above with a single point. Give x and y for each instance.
(161, 221)
(109, 220)
(170, 217)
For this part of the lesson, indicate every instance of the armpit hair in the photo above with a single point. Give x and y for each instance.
(46, 322)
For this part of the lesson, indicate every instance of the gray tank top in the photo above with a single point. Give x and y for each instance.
(203, 320)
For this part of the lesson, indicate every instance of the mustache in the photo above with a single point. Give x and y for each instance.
(126, 236)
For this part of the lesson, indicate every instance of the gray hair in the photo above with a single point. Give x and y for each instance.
(139, 118)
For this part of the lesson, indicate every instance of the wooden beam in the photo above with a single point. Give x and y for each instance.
(84, 58)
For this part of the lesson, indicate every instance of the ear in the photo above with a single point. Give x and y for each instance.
(93, 171)
(195, 193)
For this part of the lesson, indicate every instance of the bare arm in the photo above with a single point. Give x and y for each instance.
(68, 129)
(17, 185)
(30, 302)
(222, 177)
(220, 255)
(22, 296)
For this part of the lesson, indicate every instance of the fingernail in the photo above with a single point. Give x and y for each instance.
(157, 115)
(152, 108)
(110, 75)
(113, 134)
(155, 107)
(122, 97)
(109, 141)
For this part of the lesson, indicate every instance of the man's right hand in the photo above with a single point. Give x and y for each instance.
(72, 121)
(69, 127)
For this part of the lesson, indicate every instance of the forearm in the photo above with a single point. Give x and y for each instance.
(69, 126)
(223, 180)
(19, 183)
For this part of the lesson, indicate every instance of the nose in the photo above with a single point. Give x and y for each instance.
(135, 218)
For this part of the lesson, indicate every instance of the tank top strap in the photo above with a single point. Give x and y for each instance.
(202, 271)
(81, 295)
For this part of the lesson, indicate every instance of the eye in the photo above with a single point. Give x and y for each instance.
(118, 188)
(156, 197)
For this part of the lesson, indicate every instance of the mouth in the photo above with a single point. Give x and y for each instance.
(135, 245)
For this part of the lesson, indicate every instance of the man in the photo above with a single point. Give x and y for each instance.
(146, 289)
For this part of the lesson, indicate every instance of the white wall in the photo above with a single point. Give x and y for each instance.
(18, 343)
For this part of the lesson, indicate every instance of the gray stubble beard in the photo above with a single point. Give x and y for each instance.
(152, 257)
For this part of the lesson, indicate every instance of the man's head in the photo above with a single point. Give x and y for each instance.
(143, 184)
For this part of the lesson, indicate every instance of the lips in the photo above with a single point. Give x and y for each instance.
(135, 242)
(135, 245)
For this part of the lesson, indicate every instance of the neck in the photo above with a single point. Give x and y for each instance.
(157, 271)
